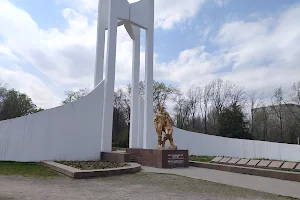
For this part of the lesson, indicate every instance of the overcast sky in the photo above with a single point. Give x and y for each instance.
(48, 46)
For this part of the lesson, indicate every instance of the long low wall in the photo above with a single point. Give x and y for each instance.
(202, 144)
(68, 132)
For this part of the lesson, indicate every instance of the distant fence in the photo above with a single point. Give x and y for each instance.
(202, 144)
(68, 132)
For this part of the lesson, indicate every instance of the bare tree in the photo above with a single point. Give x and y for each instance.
(224, 94)
(3, 91)
(194, 98)
(295, 96)
(256, 101)
(75, 95)
(178, 111)
(161, 93)
(204, 107)
(277, 105)
(182, 112)
(237, 95)
(265, 123)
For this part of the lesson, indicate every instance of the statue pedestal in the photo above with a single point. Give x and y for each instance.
(160, 158)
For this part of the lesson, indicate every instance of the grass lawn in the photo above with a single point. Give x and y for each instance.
(86, 165)
(25, 169)
(201, 158)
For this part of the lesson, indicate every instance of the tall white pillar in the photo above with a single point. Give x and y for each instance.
(148, 106)
(107, 121)
(141, 121)
(102, 22)
(134, 109)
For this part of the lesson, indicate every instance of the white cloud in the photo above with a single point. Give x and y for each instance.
(260, 55)
(190, 65)
(167, 13)
(272, 40)
(171, 12)
(65, 57)
(5, 53)
(38, 91)
(221, 2)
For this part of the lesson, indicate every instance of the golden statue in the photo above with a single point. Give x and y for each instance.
(164, 123)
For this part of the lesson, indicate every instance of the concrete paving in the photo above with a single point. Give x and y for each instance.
(140, 186)
(269, 185)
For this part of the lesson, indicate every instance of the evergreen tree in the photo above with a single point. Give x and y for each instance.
(232, 123)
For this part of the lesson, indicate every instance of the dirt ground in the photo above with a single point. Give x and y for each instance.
(137, 186)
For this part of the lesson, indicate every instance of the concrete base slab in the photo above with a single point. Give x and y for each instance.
(82, 174)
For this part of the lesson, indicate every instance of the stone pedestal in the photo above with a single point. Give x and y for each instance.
(160, 158)
(115, 156)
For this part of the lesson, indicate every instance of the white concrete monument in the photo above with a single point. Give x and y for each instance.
(111, 14)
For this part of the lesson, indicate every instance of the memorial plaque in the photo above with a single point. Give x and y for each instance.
(289, 165)
(252, 162)
(233, 161)
(275, 164)
(298, 167)
(263, 163)
(243, 161)
(217, 159)
(175, 160)
(224, 160)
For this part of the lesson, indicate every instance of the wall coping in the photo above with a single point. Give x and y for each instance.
(82, 174)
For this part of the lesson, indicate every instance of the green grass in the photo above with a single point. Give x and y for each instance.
(201, 158)
(120, 148)
(290, 170)
(28, 169)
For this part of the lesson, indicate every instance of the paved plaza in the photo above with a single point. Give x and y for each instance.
(143, 185)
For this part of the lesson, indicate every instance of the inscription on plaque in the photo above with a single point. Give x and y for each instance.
(176, 159)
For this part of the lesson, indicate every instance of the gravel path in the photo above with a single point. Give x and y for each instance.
(140, 186)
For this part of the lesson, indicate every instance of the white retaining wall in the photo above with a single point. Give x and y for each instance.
(202, 144)
(73, 132)
(68, 132)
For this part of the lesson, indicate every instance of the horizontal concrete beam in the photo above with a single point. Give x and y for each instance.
(283, 175)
